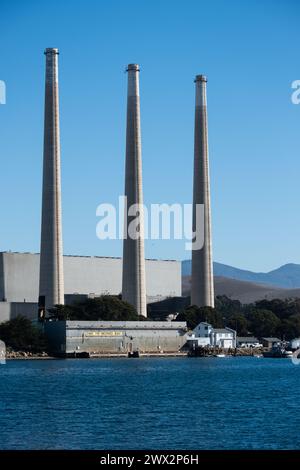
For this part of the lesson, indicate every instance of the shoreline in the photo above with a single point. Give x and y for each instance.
(96, 356)
(21, 355)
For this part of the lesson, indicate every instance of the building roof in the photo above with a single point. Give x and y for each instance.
(84, 256)
(272, 340)
(247, 339)
(223, 330)
(135, 325)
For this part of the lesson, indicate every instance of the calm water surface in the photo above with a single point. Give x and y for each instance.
(177, 403)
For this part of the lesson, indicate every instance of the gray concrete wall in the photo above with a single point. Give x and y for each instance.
(5, 308)
(21, 276)
(85, 275)
(92, 275)
(117, 337)
(10, 310)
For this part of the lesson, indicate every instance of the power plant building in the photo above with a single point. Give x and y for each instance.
(86, 275)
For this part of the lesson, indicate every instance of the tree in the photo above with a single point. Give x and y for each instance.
(21, 335)
(263, 322)
(193, 315)
(282, 308)
(227, 306)
(106, 308)
(238, 322)
(290, 327)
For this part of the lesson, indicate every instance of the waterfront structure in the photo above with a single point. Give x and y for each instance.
(224, 338)
(83, 275)
(205, 335)
(69, 338)
(270, 342)
(202, 288)
(51, 281)
(133, 280)
(247, 342)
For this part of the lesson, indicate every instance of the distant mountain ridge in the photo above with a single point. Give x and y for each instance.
(244, 291)
(286, 276)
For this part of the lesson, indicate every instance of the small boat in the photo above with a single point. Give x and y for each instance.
(220, 355)
(278, 352)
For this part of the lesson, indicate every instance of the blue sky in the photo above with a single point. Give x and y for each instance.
(249, 51)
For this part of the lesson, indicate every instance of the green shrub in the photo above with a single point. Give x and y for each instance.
(21, 335)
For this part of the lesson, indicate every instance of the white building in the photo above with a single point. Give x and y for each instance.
(295, 343)
(203, 330)
(206, 336)
(224, 338)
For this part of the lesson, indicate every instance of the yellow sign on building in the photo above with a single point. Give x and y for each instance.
(104, 333)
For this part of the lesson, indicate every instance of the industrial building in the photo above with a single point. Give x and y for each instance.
(87, 275)
(73, 338)
(30, 284)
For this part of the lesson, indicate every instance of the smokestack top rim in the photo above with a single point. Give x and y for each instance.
(200, 78)
(51, 50)
(134, 67)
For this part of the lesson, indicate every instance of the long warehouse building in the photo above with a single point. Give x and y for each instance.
(84, 275)
(72, 338)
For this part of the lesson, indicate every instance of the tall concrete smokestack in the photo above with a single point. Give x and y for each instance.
(202, 293)
(51, 290)
(133, 283)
